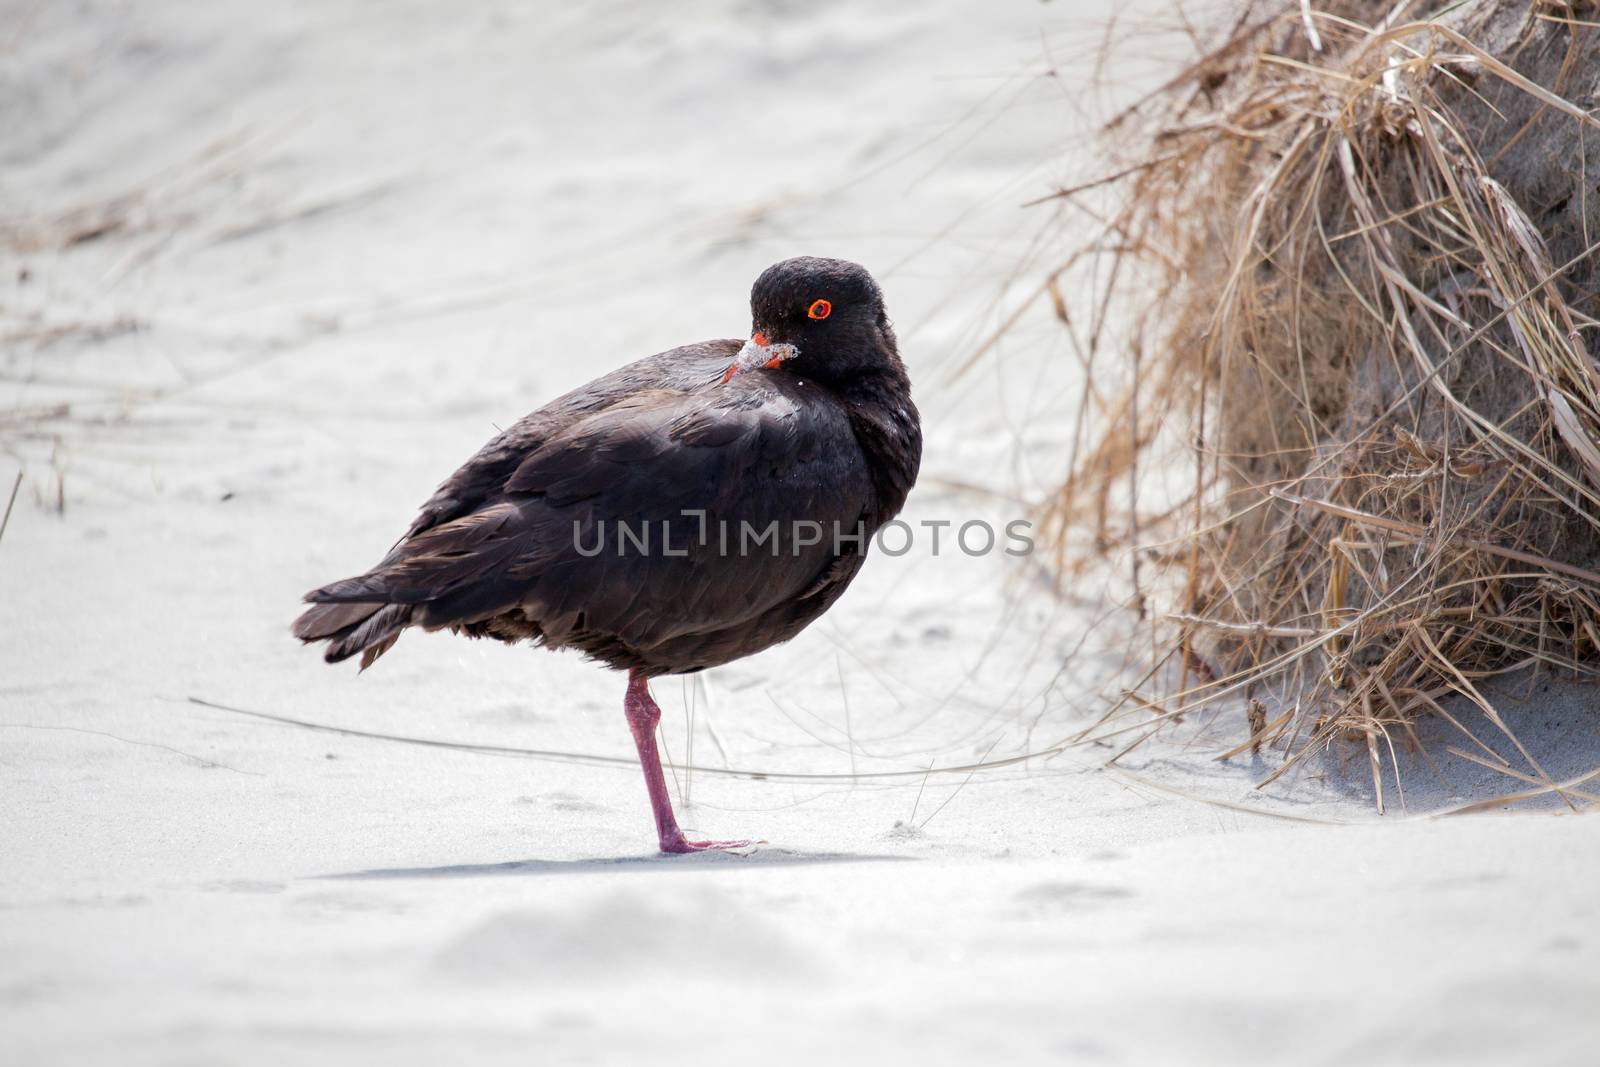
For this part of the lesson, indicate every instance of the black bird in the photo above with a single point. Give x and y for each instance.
(679, 513)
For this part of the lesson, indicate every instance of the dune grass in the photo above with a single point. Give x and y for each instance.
(1352, 249)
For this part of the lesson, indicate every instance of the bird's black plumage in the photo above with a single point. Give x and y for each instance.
(503, 548)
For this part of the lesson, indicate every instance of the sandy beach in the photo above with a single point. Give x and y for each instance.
(269, 273)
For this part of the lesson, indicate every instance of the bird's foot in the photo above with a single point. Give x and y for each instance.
(679, 844)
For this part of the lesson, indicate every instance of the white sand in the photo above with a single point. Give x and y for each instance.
(360, 236)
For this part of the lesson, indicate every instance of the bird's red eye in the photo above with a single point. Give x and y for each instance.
(819, 309)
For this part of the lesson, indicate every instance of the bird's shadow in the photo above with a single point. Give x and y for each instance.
(654, 862)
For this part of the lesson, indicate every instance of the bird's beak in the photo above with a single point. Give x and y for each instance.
(759, 351)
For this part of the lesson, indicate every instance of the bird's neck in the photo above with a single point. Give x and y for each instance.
(889, 430)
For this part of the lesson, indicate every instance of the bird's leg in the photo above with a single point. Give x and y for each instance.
(643, 715)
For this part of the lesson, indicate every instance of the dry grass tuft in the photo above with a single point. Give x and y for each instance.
(1354, 247)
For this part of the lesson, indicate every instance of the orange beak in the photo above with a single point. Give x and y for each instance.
(761, 339)
(759, 345)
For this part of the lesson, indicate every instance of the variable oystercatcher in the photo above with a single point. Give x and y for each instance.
(679, 513)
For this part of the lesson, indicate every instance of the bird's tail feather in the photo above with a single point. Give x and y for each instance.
(426, 580)
(368, 627)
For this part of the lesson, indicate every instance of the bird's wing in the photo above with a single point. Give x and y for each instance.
(482, 478)
(757, 452)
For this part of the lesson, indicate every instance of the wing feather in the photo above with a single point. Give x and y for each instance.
(500, 539)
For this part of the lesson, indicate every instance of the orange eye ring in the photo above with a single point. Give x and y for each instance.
(819, 309)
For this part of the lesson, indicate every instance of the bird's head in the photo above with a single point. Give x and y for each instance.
(822, 319)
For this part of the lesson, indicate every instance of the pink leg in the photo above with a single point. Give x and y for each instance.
(643, 715)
